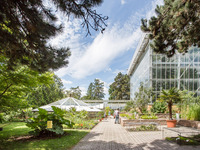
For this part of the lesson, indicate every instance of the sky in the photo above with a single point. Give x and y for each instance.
(102, 56)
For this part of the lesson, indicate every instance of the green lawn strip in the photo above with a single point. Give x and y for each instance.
(64, 142)
(14, 129)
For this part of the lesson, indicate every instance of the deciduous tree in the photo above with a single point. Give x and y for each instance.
(74, 92)
(120, 88)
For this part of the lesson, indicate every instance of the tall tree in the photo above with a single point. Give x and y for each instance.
(95, 90)
(176, 26)
(26, 26)
(120, 88)
(98, 89)
(74, 92)
(46, 93)
(90, 94)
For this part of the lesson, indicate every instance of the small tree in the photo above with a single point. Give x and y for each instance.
(170, 96)
(142, 97)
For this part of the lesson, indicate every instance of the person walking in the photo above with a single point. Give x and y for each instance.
(116, 114)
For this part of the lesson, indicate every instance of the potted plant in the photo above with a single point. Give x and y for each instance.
(170, 96)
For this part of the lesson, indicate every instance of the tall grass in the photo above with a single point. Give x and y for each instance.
(194, 113)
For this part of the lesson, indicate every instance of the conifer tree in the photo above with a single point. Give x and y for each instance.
(176, 26)
(95, 90)
(26, 26)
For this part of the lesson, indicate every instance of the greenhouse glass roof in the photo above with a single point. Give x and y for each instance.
(69, 102)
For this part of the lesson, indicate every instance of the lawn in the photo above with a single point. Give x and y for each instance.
(13, 137)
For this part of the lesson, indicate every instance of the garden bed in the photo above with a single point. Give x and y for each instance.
(125, 122)
(189, 123)
(194, 140)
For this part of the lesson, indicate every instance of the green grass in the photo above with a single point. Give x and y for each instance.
(19, 129)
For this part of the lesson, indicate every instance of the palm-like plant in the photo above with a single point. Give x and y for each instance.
(170, 96)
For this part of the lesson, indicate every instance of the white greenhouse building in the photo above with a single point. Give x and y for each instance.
(69, 102)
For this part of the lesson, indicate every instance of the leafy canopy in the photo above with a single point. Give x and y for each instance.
(120, 88)
(176, 26)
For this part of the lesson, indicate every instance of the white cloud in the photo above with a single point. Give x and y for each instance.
(102, 51)
(123, 2)
(66, 81)
(88, 59)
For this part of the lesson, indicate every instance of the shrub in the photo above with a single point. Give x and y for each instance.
(150, 127)
(124, 115)
(100, 114)
(149, 117)
(131, 117)
(39, 123)
(158, 107)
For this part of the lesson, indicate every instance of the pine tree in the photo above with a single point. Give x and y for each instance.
(120, 88)
(26, 26)
(98, 89)
(176, 26)
(90, 94)
(95, 90)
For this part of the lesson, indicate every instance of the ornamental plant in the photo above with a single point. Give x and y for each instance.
(170, 97)
(39, 123)
(158, 107)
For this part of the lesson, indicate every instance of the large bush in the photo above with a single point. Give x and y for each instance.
(39, 123)
(158, 107)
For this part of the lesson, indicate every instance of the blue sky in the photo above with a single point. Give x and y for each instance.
(102, 56)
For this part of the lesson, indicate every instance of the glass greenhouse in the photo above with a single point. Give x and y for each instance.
(160, 72)
(68, 103)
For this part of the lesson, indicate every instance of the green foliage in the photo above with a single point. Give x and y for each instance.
(194, 113)
(120, 88)
(150, 127)
(170, 96)
(123, 115)
(130, 105)
(39, 123)
(100, 114)
(18, 129)
(107, 109)
(80, 119)
(194, 140)
(158, 107)
(16, 83)
(142, 98)
(95, 90)
(74, 92)
(175, 27)
(1, 117)
(149, 117)
(130, 117)
(25, 40)
(46, 93)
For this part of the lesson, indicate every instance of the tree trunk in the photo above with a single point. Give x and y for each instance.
(170, 110)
